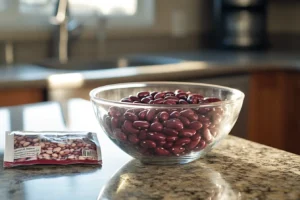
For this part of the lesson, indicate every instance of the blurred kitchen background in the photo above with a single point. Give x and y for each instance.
(54, 50)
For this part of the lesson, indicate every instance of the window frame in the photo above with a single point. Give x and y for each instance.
(12, 20)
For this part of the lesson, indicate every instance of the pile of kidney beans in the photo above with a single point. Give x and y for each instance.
(163, 131)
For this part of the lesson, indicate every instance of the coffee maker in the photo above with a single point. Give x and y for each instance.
(240, 24)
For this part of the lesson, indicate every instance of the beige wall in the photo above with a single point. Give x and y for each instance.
(283, 15)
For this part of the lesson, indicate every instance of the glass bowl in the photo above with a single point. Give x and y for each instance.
(182, 134)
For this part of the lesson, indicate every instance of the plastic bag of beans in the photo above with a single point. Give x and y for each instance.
(59, 148)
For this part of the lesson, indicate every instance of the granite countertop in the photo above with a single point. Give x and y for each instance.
(198, 64)
(236, 169)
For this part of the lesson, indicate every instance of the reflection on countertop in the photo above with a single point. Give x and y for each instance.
(236, 169)
(194, 65)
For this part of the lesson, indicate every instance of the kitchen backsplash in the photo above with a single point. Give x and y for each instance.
(32, 51)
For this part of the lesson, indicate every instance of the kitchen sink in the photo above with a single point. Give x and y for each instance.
(132, 61)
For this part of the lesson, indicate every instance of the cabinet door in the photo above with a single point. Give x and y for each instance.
(13, 97)
(240, 82)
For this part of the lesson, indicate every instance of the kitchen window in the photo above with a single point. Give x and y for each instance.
(18, 15)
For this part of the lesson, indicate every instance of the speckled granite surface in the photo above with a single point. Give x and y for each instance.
(236, 169)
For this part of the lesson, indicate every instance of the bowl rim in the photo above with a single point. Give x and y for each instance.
(239, 94)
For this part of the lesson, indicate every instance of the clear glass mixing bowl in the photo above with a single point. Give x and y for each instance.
(213, 121)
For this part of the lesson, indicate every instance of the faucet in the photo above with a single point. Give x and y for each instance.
(65, 31)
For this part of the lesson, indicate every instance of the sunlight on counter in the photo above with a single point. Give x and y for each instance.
(66, 80)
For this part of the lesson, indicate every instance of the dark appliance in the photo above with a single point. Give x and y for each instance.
(240, 24)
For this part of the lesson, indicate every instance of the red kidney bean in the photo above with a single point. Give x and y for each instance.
(161, 151)
(156, 136)
(195, 98)
(163, 116)
(196, 95)
(200, 146)
(159, 101)
(169, 102)
(148, 144)
(142, 134)
(159, 95)
(213, 132)
(120, 135)
(211, 99)
(130, 116)
(217, 118)
(193, 117)
(122, 119)
(164, 123)
(134, 98)
(174, 123)
(173, 109)
(171, 138)
(135, 102)
(156, 127)
(174, 114)
(187, 132)
(181, 95)
(187, 113)
(142, 114)
(218, 110)
(143, 94)
(124, 130)
(193, 143)
(204, 111)
(114, 122)
(196, 137)
(184, 120)
(143, 150)
(133, 139)
(160, 143)
(145, 100)
(177, 149)
(155, 119)
(175, 101)
(127, 99)
(141, 124)
(212, 126)
(169, 93)
(204, 120)
(151, 102)
(131, 110)
(182, 101)
(148, 152)
(170, 132)
(207, 135)
(168, 145)
(150, 115)
(182, 141)
(195, 125)
(114, 112)
(150, 97)
(128, 127)
(192, 100)
(107, 120)
(153, 94)
(171, 98)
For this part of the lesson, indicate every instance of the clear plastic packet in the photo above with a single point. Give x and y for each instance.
(58, 148)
